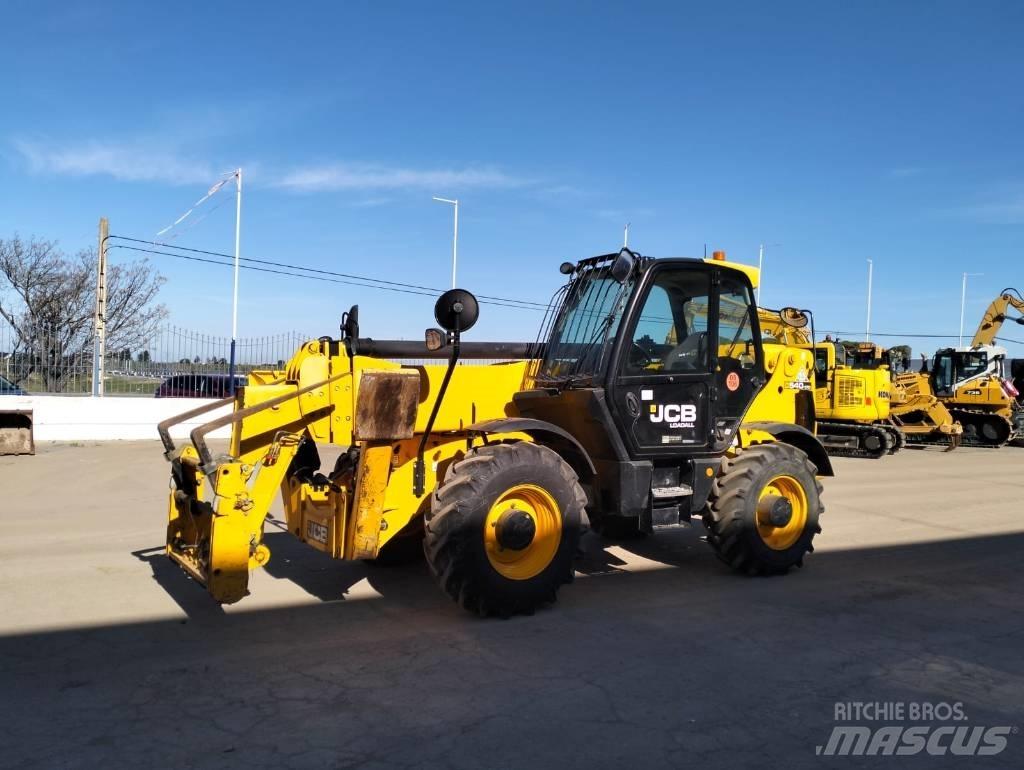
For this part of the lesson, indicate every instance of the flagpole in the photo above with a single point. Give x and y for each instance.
(234, 299)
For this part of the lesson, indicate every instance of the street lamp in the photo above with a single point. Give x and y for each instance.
(760, 274)
(871, 275)
(963, 303)
(455, 238)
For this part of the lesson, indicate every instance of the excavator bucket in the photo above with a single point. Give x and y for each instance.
(16, 437)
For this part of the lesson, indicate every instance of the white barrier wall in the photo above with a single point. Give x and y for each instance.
(83, 418)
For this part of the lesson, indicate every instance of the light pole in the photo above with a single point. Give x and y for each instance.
(455, 237)
(963, 303)
(871, 275)
(625, 236)
(760, 274)
(234, 294)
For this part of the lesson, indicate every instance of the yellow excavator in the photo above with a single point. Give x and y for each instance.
(851, 403)
(921, 417)
(650, 397)
(975, 382)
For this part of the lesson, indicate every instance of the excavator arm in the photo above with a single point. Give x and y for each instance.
(994, 316)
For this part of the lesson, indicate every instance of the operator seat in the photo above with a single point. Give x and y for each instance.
(689, 355)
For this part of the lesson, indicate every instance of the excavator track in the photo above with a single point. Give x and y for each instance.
(852, 440)
(947, 442)
(899, 439)
(982, 428)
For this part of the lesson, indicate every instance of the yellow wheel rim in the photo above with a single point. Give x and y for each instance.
(533, 559)
(781, 538)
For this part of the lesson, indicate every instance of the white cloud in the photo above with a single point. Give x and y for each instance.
(153, 161)
(344, 176)
(1006, 211)
(125, 162)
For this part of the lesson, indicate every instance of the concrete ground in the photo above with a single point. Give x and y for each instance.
(657, 656)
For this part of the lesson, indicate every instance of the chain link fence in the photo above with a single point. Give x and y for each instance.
(53, 361)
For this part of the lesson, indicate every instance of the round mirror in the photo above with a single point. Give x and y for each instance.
(793, 317)
(456, 310)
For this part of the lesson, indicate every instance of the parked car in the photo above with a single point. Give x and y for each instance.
(8, 388)
(198, 386)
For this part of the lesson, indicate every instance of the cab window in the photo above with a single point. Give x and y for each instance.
(671, 334)
(735, 324)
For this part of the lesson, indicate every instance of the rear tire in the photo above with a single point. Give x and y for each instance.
(740, 536)
(503, 528)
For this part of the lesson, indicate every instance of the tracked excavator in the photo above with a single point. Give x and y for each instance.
(921, 417)
(975, 382)
(851, 403)
(649, 397)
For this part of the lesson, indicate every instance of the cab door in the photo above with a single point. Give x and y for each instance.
(661, 378)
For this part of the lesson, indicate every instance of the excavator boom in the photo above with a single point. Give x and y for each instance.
(995, 315)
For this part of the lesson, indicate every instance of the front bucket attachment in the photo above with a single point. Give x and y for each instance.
(16, 436)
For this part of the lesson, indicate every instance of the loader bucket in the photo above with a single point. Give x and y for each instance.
(16, 433)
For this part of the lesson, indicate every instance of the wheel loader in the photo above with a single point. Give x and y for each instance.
(975, 382)
(648, 398)
(851, 402)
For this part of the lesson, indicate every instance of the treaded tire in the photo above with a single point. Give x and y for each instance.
(731, 515)
(454, 539)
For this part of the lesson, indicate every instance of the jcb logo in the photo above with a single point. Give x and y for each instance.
(676, 414)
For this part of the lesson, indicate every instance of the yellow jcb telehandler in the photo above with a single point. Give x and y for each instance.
(498, 469)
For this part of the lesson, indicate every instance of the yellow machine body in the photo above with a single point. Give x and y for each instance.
(326, 396)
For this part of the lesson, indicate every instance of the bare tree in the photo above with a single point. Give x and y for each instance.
(48, 299)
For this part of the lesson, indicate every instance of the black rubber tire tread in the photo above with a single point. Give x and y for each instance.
(731, 517)
(453, 541)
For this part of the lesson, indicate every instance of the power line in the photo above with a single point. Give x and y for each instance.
(429, 293)
(434, 291)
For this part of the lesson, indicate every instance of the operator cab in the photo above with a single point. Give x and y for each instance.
(953, 367)
(652, 365)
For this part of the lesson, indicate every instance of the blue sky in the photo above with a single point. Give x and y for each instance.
(841, 131)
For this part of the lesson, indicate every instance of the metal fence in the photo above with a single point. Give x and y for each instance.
(187, 363)
(60, 361)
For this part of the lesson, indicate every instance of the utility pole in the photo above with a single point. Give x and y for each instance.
(100, 342)
(234, 300)
(871, 270)
(455, 238)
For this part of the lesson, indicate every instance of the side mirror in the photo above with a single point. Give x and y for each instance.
(435, 339)
(350, 323)
(456, 311)
(623, 265)
(796, 319)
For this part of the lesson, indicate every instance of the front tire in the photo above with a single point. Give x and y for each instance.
(763, 511)
(503, 528)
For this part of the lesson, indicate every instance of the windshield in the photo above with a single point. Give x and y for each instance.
(589, 316)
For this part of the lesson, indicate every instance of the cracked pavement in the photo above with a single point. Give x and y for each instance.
(657, 656)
